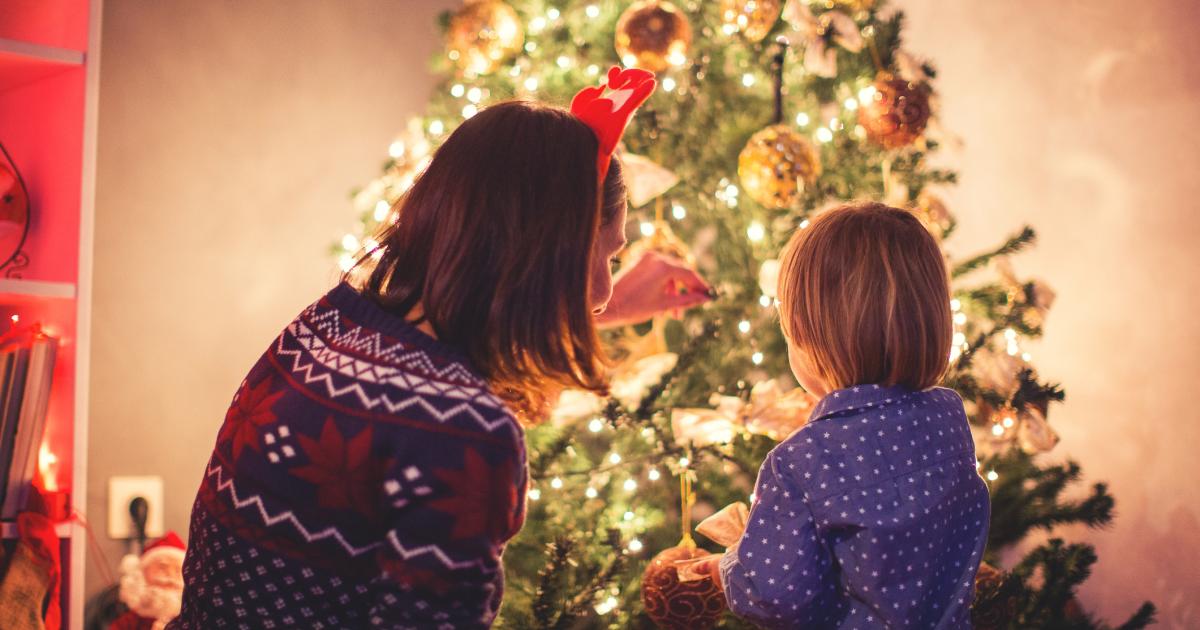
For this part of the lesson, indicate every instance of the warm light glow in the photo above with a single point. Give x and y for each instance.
(614, 458)
(1007, 422)
(628, 516)
(960, 318)
(531, 84)
(552, 13)
(824, 134)
(992, 476)
(530, 46)
(606, 606)
(48, 467)
(350, 242)
(534, 494)
(997, 430)
(747, 79)
(866, 94)
(851, 104)
(457, 90)
(676, 58)
(647, 228)
(436, 127)
(765, 301)
(653, 474)
(593, 69)
(536, 24)
(469, 111)
(756, 358)
(474, 95)
(756, 232)
(590, 493)
(683, 461)
(596, 425)
(556, 483)
(678, 211)
(381, 209)
(592, 11)
(668, 84)
(804, 224)
(346, 262)
(563, 61)
(396, 149)
(630, 485)
(753, 496)
(744, 326)
(635, 545)
(16, 318)
(955, 305)
(802, 119)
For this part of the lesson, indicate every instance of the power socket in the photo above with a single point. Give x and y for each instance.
(123, 490)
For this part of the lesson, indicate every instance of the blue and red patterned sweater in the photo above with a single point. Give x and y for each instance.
(364, 476)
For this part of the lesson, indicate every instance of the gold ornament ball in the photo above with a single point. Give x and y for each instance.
(776, 165)
(897, 114)
(754, 18)
(675, 605)
(482, 34)
(653, 35)
(853, 6)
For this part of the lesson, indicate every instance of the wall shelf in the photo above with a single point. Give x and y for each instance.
(8, 530)
(17, 291)
(25, 62)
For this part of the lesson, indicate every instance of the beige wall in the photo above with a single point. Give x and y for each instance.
(230, 135)
(231, 131)
(1080, 117)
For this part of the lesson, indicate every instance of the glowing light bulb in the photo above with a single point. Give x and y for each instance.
(436, 127)
(349, 242)
(997, 430)
(756, 232)
(802, 119)
(676, 58)
(628, 516)
(1010, 334)
(563, 61)
(470, 110)
(851, 104)
(866, 94)
(992, 476)
(1008, 422)
(381, 210)
(653, 474)
(592, 11)
(614, 458)
(744, 326)
(955, 305)
(596, 425)
(824, 134)
(683, 461)
(457, 90)
(530, 46)
(635, 545)
(960, 318)
(756, 358)
(534, 494)
(753, 496)
(647, 228)
(552, 13)
(396, 149)
(765, 301)
(536, 24)
(590, 493)
(630, 485)
(474, 94)
(747, 79)
(531, 84)
(668, 84)
(804, 224)
(678, 211)
(556, 483)
(593, 69)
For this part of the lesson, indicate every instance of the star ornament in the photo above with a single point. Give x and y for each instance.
(251, 410)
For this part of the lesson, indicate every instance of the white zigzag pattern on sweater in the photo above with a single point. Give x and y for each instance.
(306, 371)
(329, 323)
(332, 532)
(375, 373)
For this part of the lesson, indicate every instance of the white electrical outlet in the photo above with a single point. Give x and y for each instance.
(123, 490)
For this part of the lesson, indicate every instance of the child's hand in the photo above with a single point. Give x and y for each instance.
(712, 568)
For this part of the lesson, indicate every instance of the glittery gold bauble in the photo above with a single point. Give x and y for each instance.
(754, 18)
(676, 605)
(776, 164)
(653, 35)
(896, 114)
(850, 5)
(482, 34)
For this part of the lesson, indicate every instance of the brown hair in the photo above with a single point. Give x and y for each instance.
(864, 292)
(494, 241)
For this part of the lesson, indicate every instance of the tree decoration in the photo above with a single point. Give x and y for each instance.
(775, 166)
(645, 180)
(674, 604)
(653, 35)
(752, 18)
(820, 58)
(897, 112)
(770, 411)
(483, 34)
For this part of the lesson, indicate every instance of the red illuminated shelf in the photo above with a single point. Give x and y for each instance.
(15, 291)
(23, 62)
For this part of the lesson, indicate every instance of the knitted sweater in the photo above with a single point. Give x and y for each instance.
(364, 476)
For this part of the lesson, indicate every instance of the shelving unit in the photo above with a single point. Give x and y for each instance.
(49, 79)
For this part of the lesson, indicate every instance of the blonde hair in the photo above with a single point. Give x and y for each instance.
(864, 292)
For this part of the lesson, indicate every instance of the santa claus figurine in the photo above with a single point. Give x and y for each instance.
(152, 585)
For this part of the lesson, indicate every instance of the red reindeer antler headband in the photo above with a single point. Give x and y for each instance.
(609, 115)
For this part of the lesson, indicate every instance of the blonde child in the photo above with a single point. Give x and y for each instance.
(873, 515)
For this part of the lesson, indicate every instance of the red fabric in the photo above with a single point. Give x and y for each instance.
(170, 540)
(609, 115)
(131, 621)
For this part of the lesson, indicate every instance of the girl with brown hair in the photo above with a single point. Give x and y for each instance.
(371, 467)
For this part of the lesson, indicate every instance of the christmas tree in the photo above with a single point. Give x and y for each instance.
(767, 113)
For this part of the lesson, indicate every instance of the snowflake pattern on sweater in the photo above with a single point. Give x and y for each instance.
(364, 476)
(873, 515)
